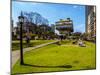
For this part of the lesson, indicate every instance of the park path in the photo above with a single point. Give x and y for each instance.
(16, 53)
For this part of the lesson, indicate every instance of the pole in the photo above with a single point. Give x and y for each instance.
(21, 45)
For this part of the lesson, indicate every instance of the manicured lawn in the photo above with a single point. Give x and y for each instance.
(58, 58)
(16, 44)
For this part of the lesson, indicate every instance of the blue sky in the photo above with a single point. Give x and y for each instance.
(52, 12)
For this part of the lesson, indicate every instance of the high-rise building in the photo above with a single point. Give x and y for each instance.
(12, 24)
(64, 26)
(91, 21)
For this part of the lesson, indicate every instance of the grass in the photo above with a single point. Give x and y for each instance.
(16, 44)
(58, 58)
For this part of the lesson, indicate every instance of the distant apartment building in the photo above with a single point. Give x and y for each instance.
(13, 29)
(12, 24)
(64, 26)
(91, 21)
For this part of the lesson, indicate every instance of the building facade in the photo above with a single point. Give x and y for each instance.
(91, 21)
(64, 26)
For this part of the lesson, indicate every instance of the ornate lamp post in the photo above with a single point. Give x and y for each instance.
(21, 21)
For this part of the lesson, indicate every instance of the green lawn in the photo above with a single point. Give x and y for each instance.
(16, 44)
(58, 58)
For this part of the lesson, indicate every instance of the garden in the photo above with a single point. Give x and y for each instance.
(54, 57)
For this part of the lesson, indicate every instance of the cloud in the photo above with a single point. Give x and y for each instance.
(75, 6)
(78, 6)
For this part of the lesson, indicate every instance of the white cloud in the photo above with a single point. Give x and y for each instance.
(75, 6)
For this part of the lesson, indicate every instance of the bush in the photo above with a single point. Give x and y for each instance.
(33, 36)
(14, 37)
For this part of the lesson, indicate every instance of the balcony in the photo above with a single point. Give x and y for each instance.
(64, 27)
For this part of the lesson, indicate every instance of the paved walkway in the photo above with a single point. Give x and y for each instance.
(16, 54)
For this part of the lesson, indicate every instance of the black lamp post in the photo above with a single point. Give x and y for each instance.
(21, 21)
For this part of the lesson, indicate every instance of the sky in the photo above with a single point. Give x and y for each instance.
(53, 12)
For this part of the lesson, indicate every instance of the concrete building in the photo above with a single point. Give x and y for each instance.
(91, 21)
(12, 24)
(13, 29)
(64, 26)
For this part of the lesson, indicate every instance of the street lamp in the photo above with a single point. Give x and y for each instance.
(21, 21)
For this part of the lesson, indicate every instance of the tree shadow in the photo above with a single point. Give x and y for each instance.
(62, 66)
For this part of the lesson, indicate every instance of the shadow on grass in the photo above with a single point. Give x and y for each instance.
(62, 66)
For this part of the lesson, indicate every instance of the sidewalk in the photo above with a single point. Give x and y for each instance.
(16, 54)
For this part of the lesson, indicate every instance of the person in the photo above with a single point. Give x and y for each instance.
(27, 40)
(61, 37)
(18, 37)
